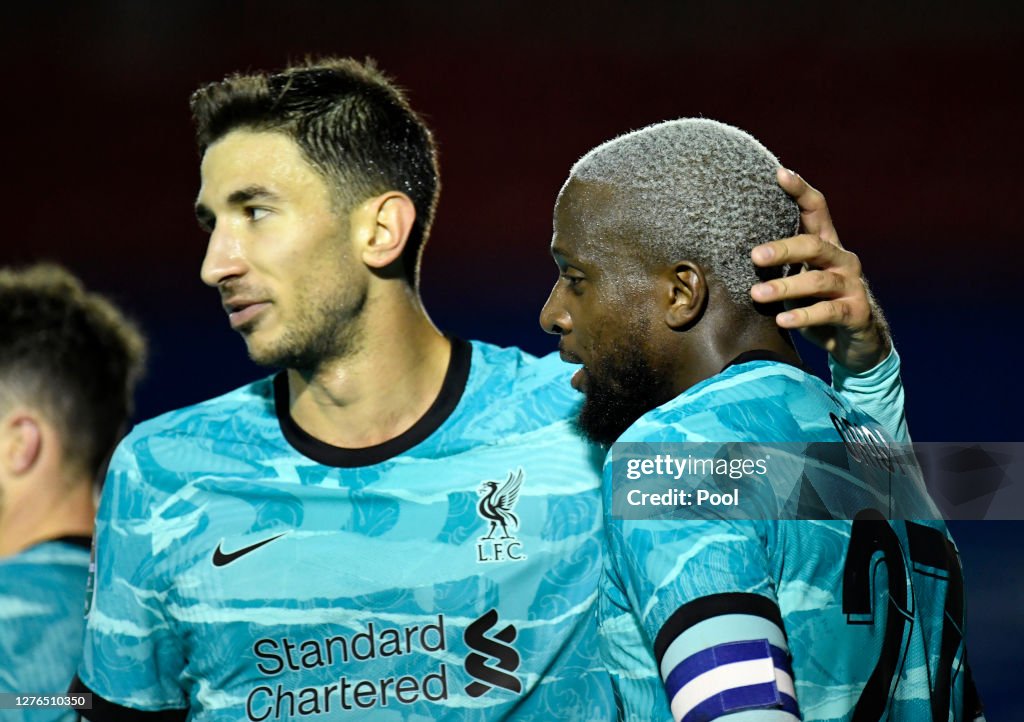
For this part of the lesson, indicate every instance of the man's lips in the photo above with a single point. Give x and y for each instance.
(242, 311)
(568, 356)
(578, 380)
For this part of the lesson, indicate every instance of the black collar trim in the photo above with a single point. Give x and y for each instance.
(323, 453)
(76, 540)
(761, 354)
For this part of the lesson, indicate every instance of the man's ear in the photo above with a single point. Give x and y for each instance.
(21, 441)
(386, 221)
(688, 295)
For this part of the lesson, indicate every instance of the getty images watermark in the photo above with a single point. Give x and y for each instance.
(833, 480)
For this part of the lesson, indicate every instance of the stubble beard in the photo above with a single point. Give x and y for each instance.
(619, 390)
(325, 329)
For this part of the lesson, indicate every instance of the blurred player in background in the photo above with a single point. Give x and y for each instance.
(704, 616)
(68, 365)
(400, 524)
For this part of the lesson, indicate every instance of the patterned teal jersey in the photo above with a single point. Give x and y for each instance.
(41, 594)
(247, 571)
(703, 616)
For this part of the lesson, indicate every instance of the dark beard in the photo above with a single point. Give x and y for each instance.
(618, 392)
(329, 334)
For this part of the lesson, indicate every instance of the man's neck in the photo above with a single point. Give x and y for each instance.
(725, 344)
(379, 391)
(56, 507)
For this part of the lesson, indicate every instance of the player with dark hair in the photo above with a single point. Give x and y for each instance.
(398, 525)
(740, 618)
(68, 364)
(348, 120)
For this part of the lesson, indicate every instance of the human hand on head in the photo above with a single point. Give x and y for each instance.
(828, 301)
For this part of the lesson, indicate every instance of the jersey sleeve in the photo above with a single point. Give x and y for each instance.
(132, 658)
(878, 392)
(703, 594)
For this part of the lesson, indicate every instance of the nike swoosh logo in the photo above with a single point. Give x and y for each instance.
(221, 559)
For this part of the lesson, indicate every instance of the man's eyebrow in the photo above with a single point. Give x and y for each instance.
(562, 258)
(252, 193)
(205, 217)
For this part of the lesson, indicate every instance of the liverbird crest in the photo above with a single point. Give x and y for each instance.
(497, 502)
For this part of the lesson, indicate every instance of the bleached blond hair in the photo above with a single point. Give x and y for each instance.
(694, 189)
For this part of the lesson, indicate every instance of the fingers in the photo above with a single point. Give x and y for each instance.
(836, 312)
(805, 195)
(793, 184)
(814, 214)
(809, 249)
(806, 285)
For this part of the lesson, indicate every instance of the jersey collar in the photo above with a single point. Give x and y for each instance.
(321, 452)
(760, 354)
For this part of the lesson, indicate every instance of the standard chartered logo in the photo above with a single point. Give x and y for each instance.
(427, 680)
(496, 649)
(415, 654)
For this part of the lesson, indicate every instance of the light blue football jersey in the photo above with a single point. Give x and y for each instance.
(247, 571)
(704, 617)
(41, 595)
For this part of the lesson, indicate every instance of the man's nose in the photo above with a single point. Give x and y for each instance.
(224, 258)
(553, 317)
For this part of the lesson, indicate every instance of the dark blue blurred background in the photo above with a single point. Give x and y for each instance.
(905, 117)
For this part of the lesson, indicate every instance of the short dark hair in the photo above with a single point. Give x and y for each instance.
(352, 123)
(71, 355)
